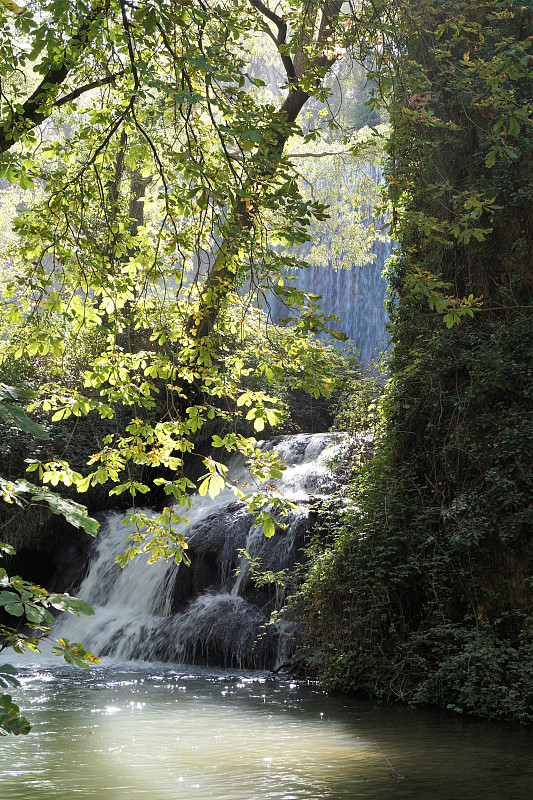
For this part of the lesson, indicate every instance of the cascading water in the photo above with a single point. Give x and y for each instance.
(355, 295)
(211, 612)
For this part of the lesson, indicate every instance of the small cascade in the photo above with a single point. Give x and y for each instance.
(211, 612)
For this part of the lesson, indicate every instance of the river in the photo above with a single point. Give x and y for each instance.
(123, 732)
(146, 729)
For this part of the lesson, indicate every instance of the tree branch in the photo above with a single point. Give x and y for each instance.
(237, 156)
(43, 100)
(242, 217)
(87, 88)
(281, 38)
(263, 9)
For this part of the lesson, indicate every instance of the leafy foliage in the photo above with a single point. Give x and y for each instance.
(426, 594)
(168, 205)
(28, 604)
(10, 720)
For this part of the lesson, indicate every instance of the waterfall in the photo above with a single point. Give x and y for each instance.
(355, 294)
(211, 612)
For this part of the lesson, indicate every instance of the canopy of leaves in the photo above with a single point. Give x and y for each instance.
(166, 206)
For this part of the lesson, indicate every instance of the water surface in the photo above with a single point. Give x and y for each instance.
(125, 733)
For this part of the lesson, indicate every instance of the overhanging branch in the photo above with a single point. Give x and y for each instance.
(42, 101)
(68, 98)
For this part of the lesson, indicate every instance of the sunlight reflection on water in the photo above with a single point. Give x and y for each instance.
(125, 733)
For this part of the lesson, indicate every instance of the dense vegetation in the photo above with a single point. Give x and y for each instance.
(427, 595)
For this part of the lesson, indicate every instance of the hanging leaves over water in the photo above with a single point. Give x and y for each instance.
(167, 194)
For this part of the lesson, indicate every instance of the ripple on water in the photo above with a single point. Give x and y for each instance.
(128, 733)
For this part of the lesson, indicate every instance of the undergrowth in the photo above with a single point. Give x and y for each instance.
(425, 593)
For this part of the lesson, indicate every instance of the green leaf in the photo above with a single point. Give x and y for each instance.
(271, 417)
(514, 127)
(26, 182)
(84, 484)
(204, 487)
(33, 613)
(77, 606)
(11, 722)
(11, 174)
(7, 676)
(253, 136)
(16, 609)
(16, 416)
(269, 529)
